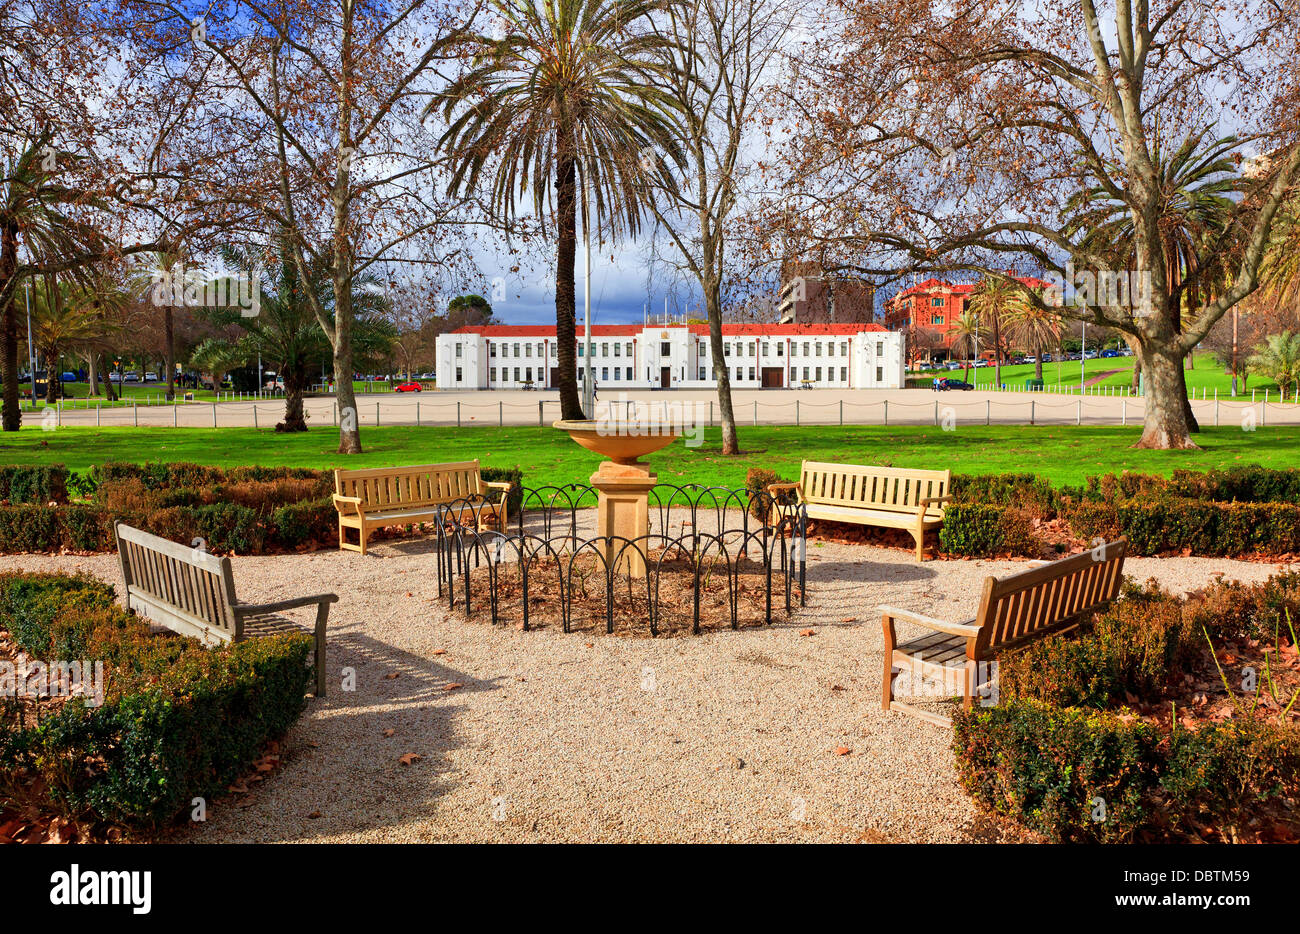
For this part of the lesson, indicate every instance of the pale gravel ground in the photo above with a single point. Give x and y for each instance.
(554, 738)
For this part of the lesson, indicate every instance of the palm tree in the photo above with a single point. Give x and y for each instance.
(1279, 272)
(994, 299)
(64, 318)
(1279, 359)
(34, 219)
(567, 97)
(966, 330)
(152, 280)
(1199, 187)
(286, 330)
(1034, 327)
(218, 357)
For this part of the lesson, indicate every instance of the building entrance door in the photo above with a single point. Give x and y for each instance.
(665, 377)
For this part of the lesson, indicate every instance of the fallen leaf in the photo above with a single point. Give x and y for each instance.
(806, 632)
(842, 750)
(409, 758)
(453, 686)
(390, 677)
(314, 815)
(439, 651)
(390, 732)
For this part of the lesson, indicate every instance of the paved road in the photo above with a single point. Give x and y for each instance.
(763, 407)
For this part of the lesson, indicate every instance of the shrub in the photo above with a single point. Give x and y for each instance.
(303, 523)
(1045, 766)
(980, 529)
(29, 528)
(512, 475)
(178, 720)
(757, 481)
(1138, 646)
(1164, 524)
(40, 484)
(29, 603)
(1024, 490)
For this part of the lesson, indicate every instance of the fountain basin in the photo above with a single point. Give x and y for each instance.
(622, 443)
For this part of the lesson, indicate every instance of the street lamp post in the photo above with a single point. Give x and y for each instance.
(1083, 356)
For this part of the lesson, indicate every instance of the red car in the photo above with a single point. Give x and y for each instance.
(411, 386)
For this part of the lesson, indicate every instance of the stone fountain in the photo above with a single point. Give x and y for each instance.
(622, 482)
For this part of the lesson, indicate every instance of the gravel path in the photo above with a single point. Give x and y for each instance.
(578, 737)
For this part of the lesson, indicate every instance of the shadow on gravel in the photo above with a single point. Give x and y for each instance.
(340, 773)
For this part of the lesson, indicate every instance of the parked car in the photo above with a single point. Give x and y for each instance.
(1028, 360)
(68, 377)
(131, 378)
(409, 386)
(151, 377)
(1110, 353)
(948, 383)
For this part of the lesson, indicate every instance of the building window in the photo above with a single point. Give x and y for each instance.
(805, 372)
(936, 319)
(528, 350)
(765, 348)
(805, 348)
(528, 374)
(936, 302)
(492, 374)
(458, 354)
(702, 376)
(604, 350)
(830, 349)
(794, 375)
(844, 348)
(819, 374)
(582, 349)
(740, 374)
(665, 349)
(629, 348)
(780, 348)
(726, 350)
(539, 351)
(458, 375)
(844, 374)
(516, 374)
(604, 373)
(880, 348)
(492, 349)
(618, 373)
(629, 373)
(618, 350)
(751, 374)
(880, 374)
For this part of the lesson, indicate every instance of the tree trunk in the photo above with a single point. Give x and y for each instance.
(169, 337)
(295, 384)
(565, 291)
(1038, 358)
(12, 416)
(52, 380)
(1166, 425)
(997, 351)
(722, 373)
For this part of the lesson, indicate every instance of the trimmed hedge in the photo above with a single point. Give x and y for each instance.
(1060, 738)
(241, 509)
(981, 530)
(1164, 524)
(178, 720)
(47, 483)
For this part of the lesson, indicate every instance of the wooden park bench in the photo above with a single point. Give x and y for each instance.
(192, 592)
(885, 497)
(387, 496)
(1051, 597)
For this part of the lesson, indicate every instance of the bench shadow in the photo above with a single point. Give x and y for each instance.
(868, 572)
(339, 774)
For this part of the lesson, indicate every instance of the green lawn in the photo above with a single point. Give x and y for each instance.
(1207, 375)
(1063, 454)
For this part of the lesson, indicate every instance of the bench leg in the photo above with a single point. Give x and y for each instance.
(346, 545)
(887, 678)
(322, 614)
(919, 535)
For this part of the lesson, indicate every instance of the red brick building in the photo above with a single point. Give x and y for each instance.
(928, 313)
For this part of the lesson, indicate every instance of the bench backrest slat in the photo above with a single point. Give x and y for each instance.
(172, 582)
(423, 485)
(1021, 606)
(896, 489)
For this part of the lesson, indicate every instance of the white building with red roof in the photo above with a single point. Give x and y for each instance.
(676, 356)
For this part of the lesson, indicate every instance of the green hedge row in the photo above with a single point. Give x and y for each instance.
(47, 483)
(247, 510)
(1060, 754)
(178, 721)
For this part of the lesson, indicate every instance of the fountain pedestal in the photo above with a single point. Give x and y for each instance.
(622, 483)
(623, 507)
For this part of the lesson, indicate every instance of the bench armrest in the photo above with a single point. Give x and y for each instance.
(247, 609)
(353, 501)
(922, 505)
(929, 622)
(498, 485)
(773, 488)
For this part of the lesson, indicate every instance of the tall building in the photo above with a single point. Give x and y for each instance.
(677, 356)
(810, 296)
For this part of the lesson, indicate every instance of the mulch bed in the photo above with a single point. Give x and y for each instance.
(675, 595)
